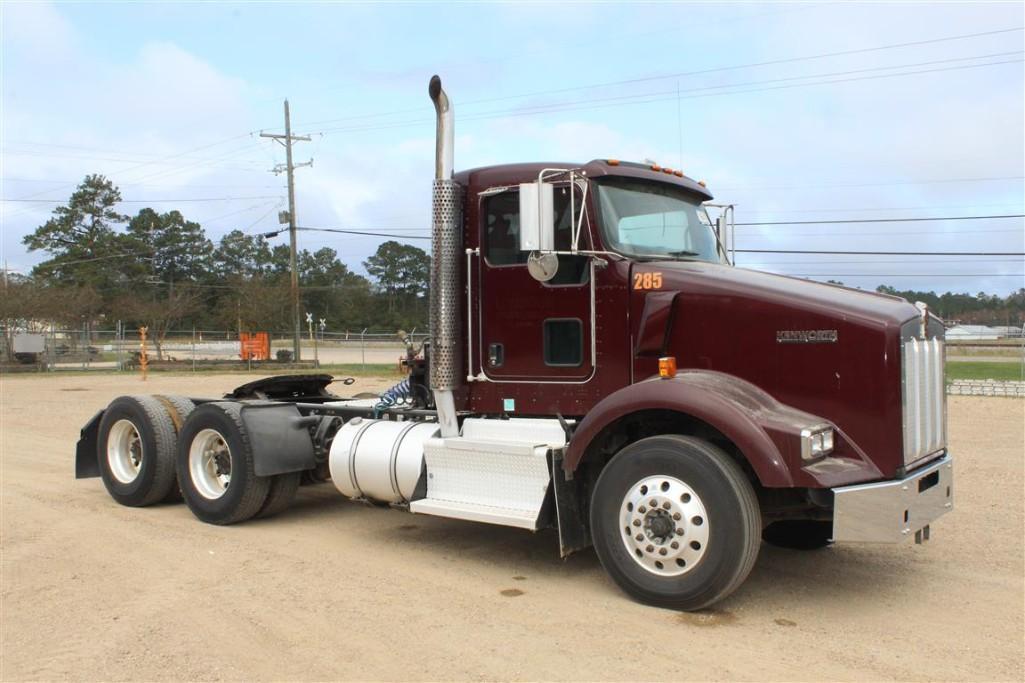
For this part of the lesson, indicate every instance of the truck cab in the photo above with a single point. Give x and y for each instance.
(596, 365)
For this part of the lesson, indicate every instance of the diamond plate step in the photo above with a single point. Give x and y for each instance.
(497, 472)
(524, 519)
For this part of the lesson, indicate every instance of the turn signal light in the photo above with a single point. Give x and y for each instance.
(667, 367)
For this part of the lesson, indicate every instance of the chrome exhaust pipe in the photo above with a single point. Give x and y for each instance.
(446, 244)
(444, 151)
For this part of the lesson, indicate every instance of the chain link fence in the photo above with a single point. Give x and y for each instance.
(52, 349)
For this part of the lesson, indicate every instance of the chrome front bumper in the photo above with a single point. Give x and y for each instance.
(893, 511)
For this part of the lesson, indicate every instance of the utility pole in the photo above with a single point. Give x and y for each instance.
(286, 140)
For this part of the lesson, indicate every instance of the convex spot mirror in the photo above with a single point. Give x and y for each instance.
(537, 217)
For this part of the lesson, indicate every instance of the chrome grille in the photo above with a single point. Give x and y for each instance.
(925, 401)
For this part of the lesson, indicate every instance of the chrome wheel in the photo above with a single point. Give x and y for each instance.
(664, 525)
(210, 464)
(124, 451)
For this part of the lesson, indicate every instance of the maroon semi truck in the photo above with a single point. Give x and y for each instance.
(596, 365)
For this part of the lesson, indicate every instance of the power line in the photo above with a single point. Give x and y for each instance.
(683, 74)
(881, 253)
(887, 220)
(877, 184)
(365, 232)
(648, 98)
(906, 275)
(772, 62)
(153, 201)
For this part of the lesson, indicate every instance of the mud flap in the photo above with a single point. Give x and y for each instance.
(280, 438)
(87, 462)
(570, 511)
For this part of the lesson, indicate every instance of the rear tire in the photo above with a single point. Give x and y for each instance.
(675, 522)
(178, 409)
(215, 462)
(799, 534)
(136, 451)
(281, 494)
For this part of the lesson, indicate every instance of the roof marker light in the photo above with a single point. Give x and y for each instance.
(612, 162)
(656, 167)
(667, 367)
(702, 183)
(678, 174)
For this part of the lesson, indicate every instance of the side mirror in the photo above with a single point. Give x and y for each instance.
(537, 217)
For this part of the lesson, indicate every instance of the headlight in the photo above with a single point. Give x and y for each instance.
(816, 442)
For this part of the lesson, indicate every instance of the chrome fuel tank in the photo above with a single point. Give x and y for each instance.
(380, 460)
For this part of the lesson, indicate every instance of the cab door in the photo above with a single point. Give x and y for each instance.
(531, 330)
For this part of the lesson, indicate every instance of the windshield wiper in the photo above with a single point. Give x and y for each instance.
(683, 253)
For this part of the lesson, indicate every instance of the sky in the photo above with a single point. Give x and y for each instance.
(791, 111)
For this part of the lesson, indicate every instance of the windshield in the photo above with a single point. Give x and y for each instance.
(655, 220)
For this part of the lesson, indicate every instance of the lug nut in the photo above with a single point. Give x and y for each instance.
(674, 545)
(642, 509)
(679, 531)
(637, 522)
(676, 516)
(650, 548)
(661, 551)
(639, 537)
(665, 505)
(654, 503)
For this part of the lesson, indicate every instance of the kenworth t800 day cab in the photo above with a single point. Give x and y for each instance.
(596, 365)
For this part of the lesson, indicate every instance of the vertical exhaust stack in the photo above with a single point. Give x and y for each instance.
(446, 243)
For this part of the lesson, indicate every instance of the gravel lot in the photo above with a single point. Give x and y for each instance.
(334, 590)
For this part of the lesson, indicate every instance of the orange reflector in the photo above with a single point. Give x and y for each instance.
(702, 183)
(612, 162)
(656, 167)
(678, 174)
(667, 367)
(667, 170)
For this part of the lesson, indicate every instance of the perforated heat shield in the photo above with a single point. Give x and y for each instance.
(445, 287)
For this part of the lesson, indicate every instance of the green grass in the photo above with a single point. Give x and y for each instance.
(982, 370)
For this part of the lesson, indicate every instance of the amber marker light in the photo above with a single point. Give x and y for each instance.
(612, 162)
(702, 183)
(656, 167)
(667, 367)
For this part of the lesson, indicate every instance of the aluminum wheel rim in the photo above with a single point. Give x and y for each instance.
(664, 525)
(124, 451)
(210, 464)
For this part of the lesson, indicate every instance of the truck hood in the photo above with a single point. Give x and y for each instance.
(795, 293)
(827, 350)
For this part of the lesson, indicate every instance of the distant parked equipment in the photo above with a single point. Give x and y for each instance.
(29, 347)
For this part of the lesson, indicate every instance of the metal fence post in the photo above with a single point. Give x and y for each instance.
(363, 348)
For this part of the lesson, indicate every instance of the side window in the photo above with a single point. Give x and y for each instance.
(564, 342)
(501, 216)
(502, 229)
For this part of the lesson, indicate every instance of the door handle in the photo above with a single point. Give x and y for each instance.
(496, 355)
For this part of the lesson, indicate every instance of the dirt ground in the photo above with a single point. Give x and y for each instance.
(334, 590)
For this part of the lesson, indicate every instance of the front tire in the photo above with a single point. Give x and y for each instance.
(215, 465)
(675, 522)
